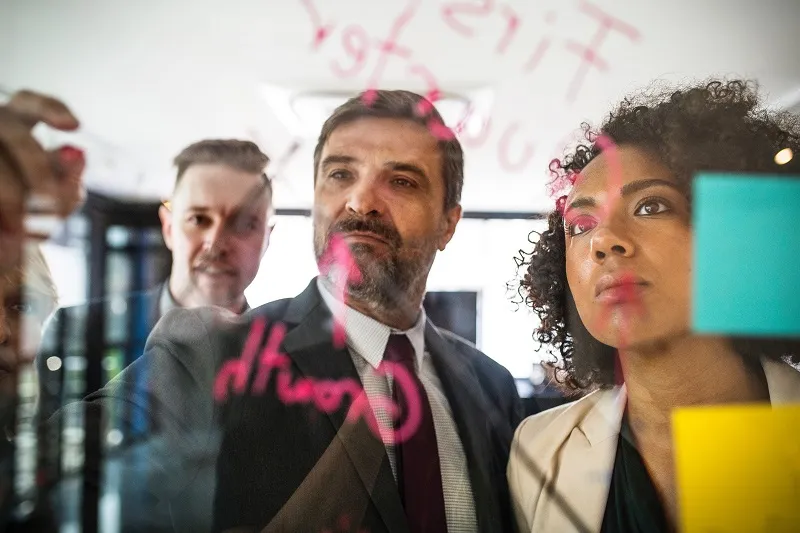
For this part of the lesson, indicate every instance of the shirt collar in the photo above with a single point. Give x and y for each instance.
(166, 302)
(368, 337)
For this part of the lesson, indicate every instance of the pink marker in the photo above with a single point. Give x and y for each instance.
(588, 53)
(473, 140)
(337, 262)
(271, 358)
(408, 389)
(391, 435)
(301, 391)
(511, 29)
(439, 130)
(329, 394)
(355, 42)
(614, 185)
(630, 293)
(503, 149)
(433, 93)
(562, 181)
(238, 370)
(321, 31)
(537, 55)
(449, 12)
(389, 47)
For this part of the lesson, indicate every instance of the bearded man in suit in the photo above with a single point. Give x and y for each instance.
(304, 436)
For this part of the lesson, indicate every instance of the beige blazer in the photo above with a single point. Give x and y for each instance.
(561, 460)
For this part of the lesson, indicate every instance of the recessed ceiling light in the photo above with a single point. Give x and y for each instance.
(784, 156)
(304, 112)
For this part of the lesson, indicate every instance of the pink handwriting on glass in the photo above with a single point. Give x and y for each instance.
(588, 54)
(337, 263)
(613, 197)
(344, 524)
(326, 395)
(357, 44)
(321, 31)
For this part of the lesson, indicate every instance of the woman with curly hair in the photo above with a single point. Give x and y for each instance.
(610, 281)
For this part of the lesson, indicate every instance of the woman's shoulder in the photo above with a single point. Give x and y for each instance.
(538, 443)
(551, 427)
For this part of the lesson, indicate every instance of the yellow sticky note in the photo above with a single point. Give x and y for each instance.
(738, 469)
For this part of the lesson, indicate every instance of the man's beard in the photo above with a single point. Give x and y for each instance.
(387, 278)
(219, 294)
(224, 291)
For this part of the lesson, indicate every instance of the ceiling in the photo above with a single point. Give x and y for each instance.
(149, 77)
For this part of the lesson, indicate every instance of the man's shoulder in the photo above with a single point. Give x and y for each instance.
(211, 321)
(77, 312)
(274, 310)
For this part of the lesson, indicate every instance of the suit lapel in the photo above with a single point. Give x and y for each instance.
(582, 482)
(471, 414)
(783, 382)
(309, 345)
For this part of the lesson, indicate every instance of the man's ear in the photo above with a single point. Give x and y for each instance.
(166, 225)
(451, 218)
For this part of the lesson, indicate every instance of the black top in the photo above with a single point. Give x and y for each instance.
(633, 503)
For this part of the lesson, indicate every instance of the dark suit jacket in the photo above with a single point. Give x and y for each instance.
(65, 335)
(254, 461)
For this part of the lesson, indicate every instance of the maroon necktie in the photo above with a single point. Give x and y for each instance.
(419, 476)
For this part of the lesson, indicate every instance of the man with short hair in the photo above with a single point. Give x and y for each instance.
(216, 224)
(396, 427)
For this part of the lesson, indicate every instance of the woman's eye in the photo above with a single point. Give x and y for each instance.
(581, 225)
(652, 207)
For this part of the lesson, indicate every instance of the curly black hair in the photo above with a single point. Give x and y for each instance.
(719, 125)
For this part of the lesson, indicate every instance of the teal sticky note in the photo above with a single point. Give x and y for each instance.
(746, 273)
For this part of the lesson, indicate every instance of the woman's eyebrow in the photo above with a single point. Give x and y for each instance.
(627, 190)
(583, 201)
(636, 186)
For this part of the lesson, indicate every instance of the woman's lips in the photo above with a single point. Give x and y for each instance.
(625, 293)
(620, 288)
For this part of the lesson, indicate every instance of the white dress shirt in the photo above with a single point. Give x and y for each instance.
(366, 340)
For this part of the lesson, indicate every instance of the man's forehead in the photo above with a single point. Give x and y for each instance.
(382, 135)
(218, 186)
